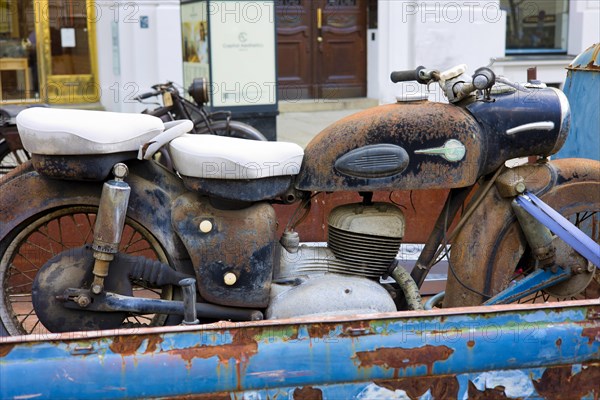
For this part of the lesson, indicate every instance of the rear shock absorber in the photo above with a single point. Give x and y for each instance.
(108, 228)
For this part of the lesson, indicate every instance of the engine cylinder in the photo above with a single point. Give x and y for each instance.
(366, 237)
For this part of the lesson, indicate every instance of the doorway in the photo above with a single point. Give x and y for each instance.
(48, 52)
(321, 49)
(69, 57)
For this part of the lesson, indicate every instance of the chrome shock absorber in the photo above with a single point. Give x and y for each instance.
(108, 229)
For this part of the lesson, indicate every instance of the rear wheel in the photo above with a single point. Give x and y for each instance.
(36, 241)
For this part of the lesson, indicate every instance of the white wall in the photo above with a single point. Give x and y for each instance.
(140, 57)
(437, 35)
(372, 63)
(584, 25)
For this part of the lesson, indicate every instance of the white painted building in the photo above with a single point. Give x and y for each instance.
(436, 34)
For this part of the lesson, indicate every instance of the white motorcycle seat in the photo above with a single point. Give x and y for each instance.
(219, 157)
(52, 131)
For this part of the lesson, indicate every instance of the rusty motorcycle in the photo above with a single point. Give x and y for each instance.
(94, 234)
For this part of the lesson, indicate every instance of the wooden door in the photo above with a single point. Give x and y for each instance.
(321, 47)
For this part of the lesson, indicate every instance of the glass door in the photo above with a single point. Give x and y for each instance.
(70, 66)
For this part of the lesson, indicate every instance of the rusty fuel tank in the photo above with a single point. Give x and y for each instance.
(427, 145)
(410, 145)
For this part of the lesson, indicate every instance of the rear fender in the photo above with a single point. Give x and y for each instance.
(488, 248)
(25, 194)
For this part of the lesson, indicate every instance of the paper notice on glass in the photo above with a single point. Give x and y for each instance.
(67, 37)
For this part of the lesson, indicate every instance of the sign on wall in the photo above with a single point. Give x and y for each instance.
(232, 44)
(242, 43)
(194, 29)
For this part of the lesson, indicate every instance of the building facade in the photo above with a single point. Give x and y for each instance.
(106, 52)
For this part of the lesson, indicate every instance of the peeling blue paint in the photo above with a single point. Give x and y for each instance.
(513, 349)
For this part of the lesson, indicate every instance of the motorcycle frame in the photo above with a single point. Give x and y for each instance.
(153, 185)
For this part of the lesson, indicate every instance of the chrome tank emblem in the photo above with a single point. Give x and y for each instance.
(452, 151)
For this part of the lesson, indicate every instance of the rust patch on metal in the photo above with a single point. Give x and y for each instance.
(444, 387)
(412, 126)
(497, 393)
(401, 358)
(420, 208)
(593, 334)
(576, 169)
(559, 383)
(153, 344)
(248, 253)
(558, 342)
(486, 264)
(241, 348)
(349, 329)
(471, 344)
(307, 393)
(5, 349)
(319, 330)
(127, 345)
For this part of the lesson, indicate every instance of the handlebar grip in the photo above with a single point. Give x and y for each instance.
(146, 95)
(406, 75)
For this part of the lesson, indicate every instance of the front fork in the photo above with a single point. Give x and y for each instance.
(538, 221)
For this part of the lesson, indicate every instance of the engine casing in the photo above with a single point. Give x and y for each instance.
(342, 277)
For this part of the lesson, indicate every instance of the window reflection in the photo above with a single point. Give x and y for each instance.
(536, 26)
(18, 54)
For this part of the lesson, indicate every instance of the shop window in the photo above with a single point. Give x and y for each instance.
(18, 53)
(536, 26)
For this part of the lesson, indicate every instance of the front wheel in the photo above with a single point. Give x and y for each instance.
(29, 246)
(234, 129)
(491, 252)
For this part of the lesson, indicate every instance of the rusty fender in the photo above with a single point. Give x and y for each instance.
(481, 257)
(24, 194)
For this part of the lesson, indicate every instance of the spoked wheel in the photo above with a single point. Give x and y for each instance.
(35, 242)
(234, 129)
(585, 282)
(489, 254)
(10, 160)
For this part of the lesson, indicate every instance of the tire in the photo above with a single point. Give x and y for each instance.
(27, 248)
(10, 160)
(491, 253)
(233, 129)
